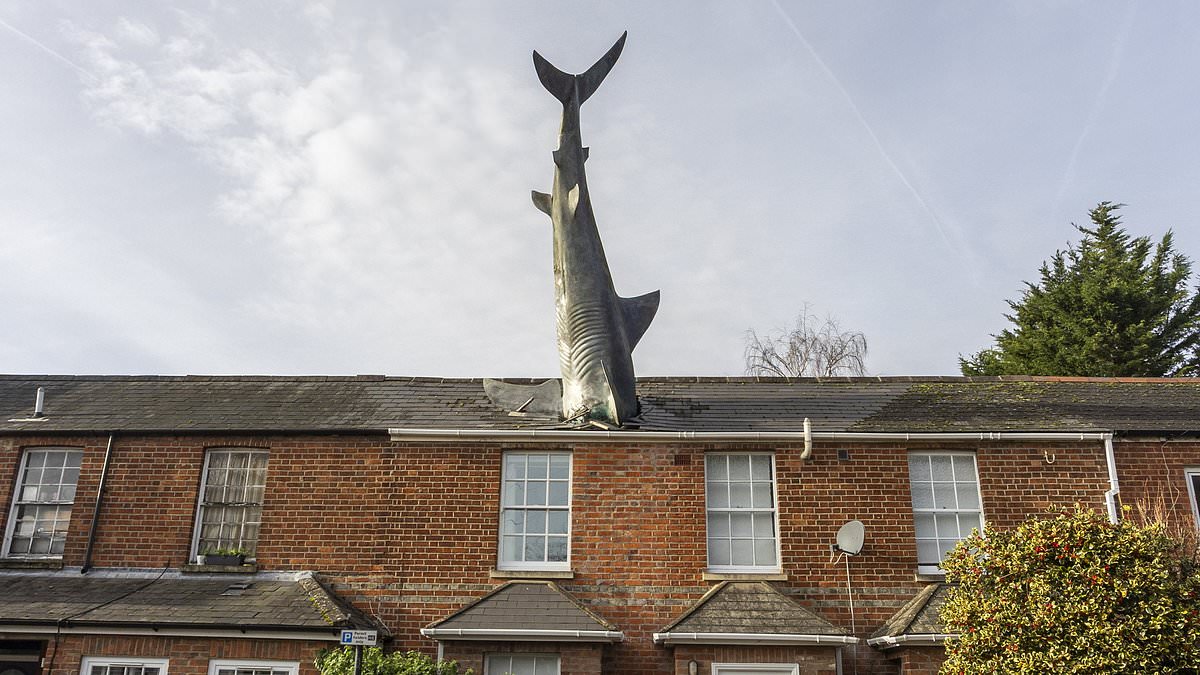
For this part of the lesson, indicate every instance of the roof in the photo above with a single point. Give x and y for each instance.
(524, 610)
(918, 621)
(747, 608)
(295, 602)
(373, 404)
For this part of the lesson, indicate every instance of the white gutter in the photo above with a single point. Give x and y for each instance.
(916, 640)
(797, 639)
(1114, 487)
(331, 635)
(523, 634)
(600, 436)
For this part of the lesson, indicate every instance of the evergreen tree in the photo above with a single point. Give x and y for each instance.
(1111, 306)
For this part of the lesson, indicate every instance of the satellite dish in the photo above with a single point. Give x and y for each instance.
(850, 537)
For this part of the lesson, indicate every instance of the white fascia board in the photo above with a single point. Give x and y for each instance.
(600, 436)
(914, 640)
(331, 635)
(798, 639)
(530, 635)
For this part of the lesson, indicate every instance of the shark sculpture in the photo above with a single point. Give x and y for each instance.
(597, 329)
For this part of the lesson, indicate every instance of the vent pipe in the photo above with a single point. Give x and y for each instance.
(39, 405)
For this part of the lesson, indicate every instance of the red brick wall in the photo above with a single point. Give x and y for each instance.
(575, 658)
(407, 531)
(1152, 478)
(921, 660)
(812, 660)
(187, 656)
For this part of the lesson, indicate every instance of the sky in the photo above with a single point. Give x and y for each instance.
(343, 187)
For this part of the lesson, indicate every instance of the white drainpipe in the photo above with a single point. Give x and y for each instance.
(1114, 488)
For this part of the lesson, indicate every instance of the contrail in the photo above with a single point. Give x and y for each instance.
(1114, 64)
(33, 41)
(937, 221)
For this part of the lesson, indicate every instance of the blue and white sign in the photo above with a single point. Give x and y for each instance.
(365, 638)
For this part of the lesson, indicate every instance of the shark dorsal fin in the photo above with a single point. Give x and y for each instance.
(638, 313)
(542, 201)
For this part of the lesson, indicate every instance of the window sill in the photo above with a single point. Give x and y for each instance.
(532, 574)
(246, 568)
(31, 563)
(744, 576)
(929, 577)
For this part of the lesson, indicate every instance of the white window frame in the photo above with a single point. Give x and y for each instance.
(215, 665)
(542, 565)
(137, 661)
(936, 570)
(769, 668)
(17, 502)
(488, 669)
(708, 509)
(1191, 476)
(201, 502)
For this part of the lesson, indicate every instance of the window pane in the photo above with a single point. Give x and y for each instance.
(511, 548)
(764, 552)
(964, 468)
(739, 495)
(513, 522)
(925, 526)
(968, 522)
(42, 509)
(762, 497)
(557, 521)
(231, 509)
(558, 493)
(535, 493)
(718, 552)
(546, 665)
(742, 551)
(718, 495)
(968, 495)
(739, 467)
(764, 526)
(535, 548)
(718, 524)
(716, 467)
(943, 495)
(514, 466)
(535, 522)
(760, 467)
(941, 466)
(560, 466)
(947, 525)
(556, 549)
(538, 466)
(927, 552)
(514, 493)
(922, 495)
(742, 524)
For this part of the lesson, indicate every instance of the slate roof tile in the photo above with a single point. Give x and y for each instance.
(919, 616)
(750, 607)
(526, 605)
(298, 601)
(375, 403)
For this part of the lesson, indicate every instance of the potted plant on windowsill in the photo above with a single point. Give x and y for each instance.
(223, 557)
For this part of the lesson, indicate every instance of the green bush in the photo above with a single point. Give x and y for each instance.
(1072, 593)
(340, 661)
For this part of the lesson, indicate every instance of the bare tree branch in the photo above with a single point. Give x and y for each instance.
(809, 349)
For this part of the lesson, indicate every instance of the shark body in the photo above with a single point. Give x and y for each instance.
(597, 329)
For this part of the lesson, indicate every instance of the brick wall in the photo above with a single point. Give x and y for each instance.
(188, 656)
(1151, 474)
(407, 531)
(921, 660)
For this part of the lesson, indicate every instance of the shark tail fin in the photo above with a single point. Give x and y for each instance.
(638, 313)
(563, 85)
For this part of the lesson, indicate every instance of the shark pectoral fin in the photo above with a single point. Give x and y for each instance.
(542, 201)
(638, 313)
(585, 154)
(538, 399)
(573, 199)
(611, 398)
(591, 79)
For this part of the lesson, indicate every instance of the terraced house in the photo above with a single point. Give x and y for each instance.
(695, 539)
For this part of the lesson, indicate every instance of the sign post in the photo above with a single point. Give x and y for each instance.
(360, 639)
